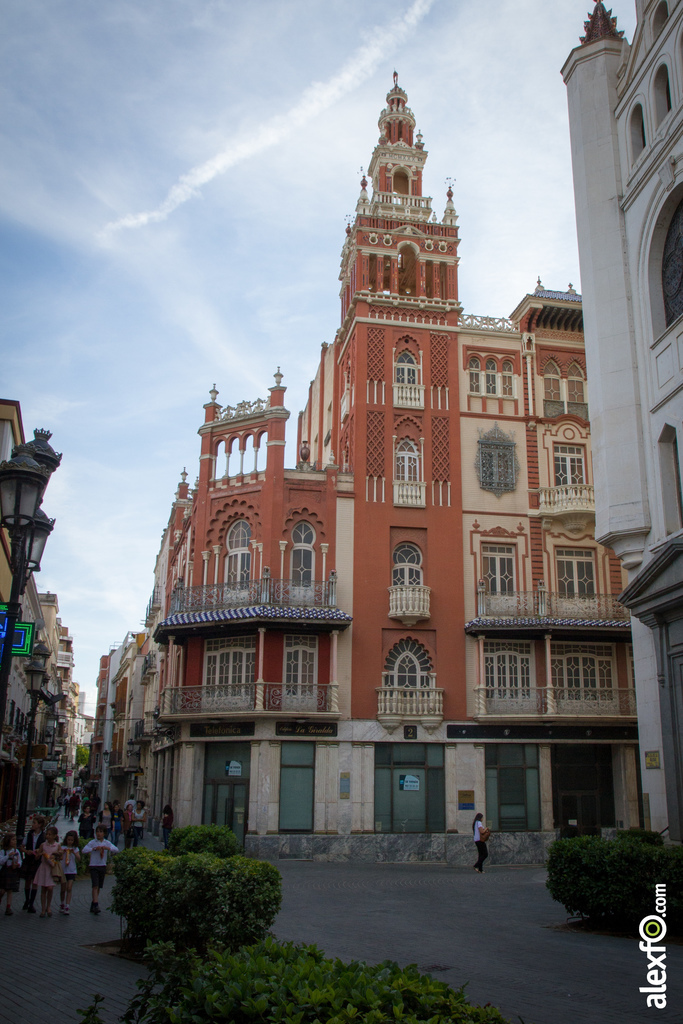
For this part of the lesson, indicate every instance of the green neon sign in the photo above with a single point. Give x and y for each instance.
(24, 633)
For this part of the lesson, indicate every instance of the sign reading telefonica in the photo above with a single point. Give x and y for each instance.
(198, 729)
(305, 728)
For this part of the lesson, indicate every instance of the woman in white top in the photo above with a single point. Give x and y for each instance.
(138, 821)
(477, 828)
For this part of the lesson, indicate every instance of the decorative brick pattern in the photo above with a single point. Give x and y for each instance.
(439, 359)
(375, 440)
(441, 462)
(376, 353)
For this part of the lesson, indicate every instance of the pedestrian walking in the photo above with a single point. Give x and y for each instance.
(50, 855)
(167, 824)
(95, 802)
(116, 820)
(105, 819)
(99, 849)
(29, 850)
(10, 865)
(128, 809)
(139, 820)
(481, 834)
(87, 822)
(74, 804)
(70, 858)
(65, 803)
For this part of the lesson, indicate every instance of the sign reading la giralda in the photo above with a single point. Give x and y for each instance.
(305, 728)
(221, 729)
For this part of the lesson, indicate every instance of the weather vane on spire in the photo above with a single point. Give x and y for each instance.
(395, 78)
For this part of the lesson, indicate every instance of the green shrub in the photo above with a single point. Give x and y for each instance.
(215, 839)
(195, 899)
(614, 881)
(641, 835)
(288, 984)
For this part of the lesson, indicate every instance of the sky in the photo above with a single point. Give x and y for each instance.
(174, 188)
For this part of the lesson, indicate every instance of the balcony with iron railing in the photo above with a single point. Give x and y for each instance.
(409, 603)
(542, 604)
(264, 591)
(153, 606)
(552, 701)
(259, 698)
(409, 396)
(149, 664)
(421, 705)
(410, 492)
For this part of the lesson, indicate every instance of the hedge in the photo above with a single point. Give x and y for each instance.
(216, 839)
(279, 982)
(614, 880)
(194, 899)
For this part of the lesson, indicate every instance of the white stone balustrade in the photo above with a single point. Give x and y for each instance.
(423, 705)
(410, 604)
(409, 396)
(410, 492)
(567, 498)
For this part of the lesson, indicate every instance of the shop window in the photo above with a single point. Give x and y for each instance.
(226, 786)
(575, 573)
(498, 568)
(475, 376)
(569, 465)
(238, 562)
(297, 777)
(409, 787)
(512, 787)
(407, 571)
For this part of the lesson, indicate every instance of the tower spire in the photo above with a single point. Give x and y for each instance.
(600, 25)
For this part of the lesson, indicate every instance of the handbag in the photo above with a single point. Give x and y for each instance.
(484, 834)
(58, 872)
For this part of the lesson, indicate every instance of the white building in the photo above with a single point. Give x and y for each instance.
(626, 121)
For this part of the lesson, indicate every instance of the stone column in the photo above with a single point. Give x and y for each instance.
(259, 702)
(545, 783)
(320, 787)
(451, 783)
(332, 789)
(334, 682)
(206, 555)
(551, 703)
(368, 787)
(272, 788)
(189, 783)
(216, 555)
(625, 786)
(256, 822)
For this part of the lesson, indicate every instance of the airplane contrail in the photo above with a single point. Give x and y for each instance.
(316, 98)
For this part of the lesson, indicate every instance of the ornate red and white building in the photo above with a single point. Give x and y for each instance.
(415, 622)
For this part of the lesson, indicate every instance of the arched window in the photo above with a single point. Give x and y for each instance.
(662, 94)
(408, 665)
(475, 376)
(551, 382)
(638, 141)
(407, 461)
(406, 369)
(407, 571)
(400, 183)
(407, 271)
(672, 267)
(507, 379)
(575, 388)
(303, 555)
(238, 562)
(660, 18)
(491, 377)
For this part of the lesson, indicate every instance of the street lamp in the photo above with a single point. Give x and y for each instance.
(37, 678)
(105, 756)
(23, 480)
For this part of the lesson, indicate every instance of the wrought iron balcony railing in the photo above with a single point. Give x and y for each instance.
(410, 604)
(153, 606)
(542, 604)
(252, 698)
(581, 701)
(285, 593)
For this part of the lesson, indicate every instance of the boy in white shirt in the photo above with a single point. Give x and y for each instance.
(99, 849)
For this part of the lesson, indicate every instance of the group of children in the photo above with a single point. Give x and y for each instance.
(44, 862)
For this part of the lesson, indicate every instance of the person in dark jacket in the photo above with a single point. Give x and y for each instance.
(34, 838)
(87, 822)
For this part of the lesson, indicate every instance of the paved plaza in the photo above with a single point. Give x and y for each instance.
(500, 933)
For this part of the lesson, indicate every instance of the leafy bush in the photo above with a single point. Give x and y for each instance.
(215, 839)
(288, 984)
(641, 835)
(608, 880)
(195, 899)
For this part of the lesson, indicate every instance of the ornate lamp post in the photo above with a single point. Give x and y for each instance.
(22, 485)
(37, 678)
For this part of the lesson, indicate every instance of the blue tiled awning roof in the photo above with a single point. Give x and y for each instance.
(545, 620)
(258, 611)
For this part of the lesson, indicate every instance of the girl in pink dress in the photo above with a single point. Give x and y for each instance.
(50, 853)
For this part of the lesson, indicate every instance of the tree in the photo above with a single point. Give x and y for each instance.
(82, 755)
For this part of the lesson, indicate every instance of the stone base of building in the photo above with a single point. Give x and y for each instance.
(457, 850)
